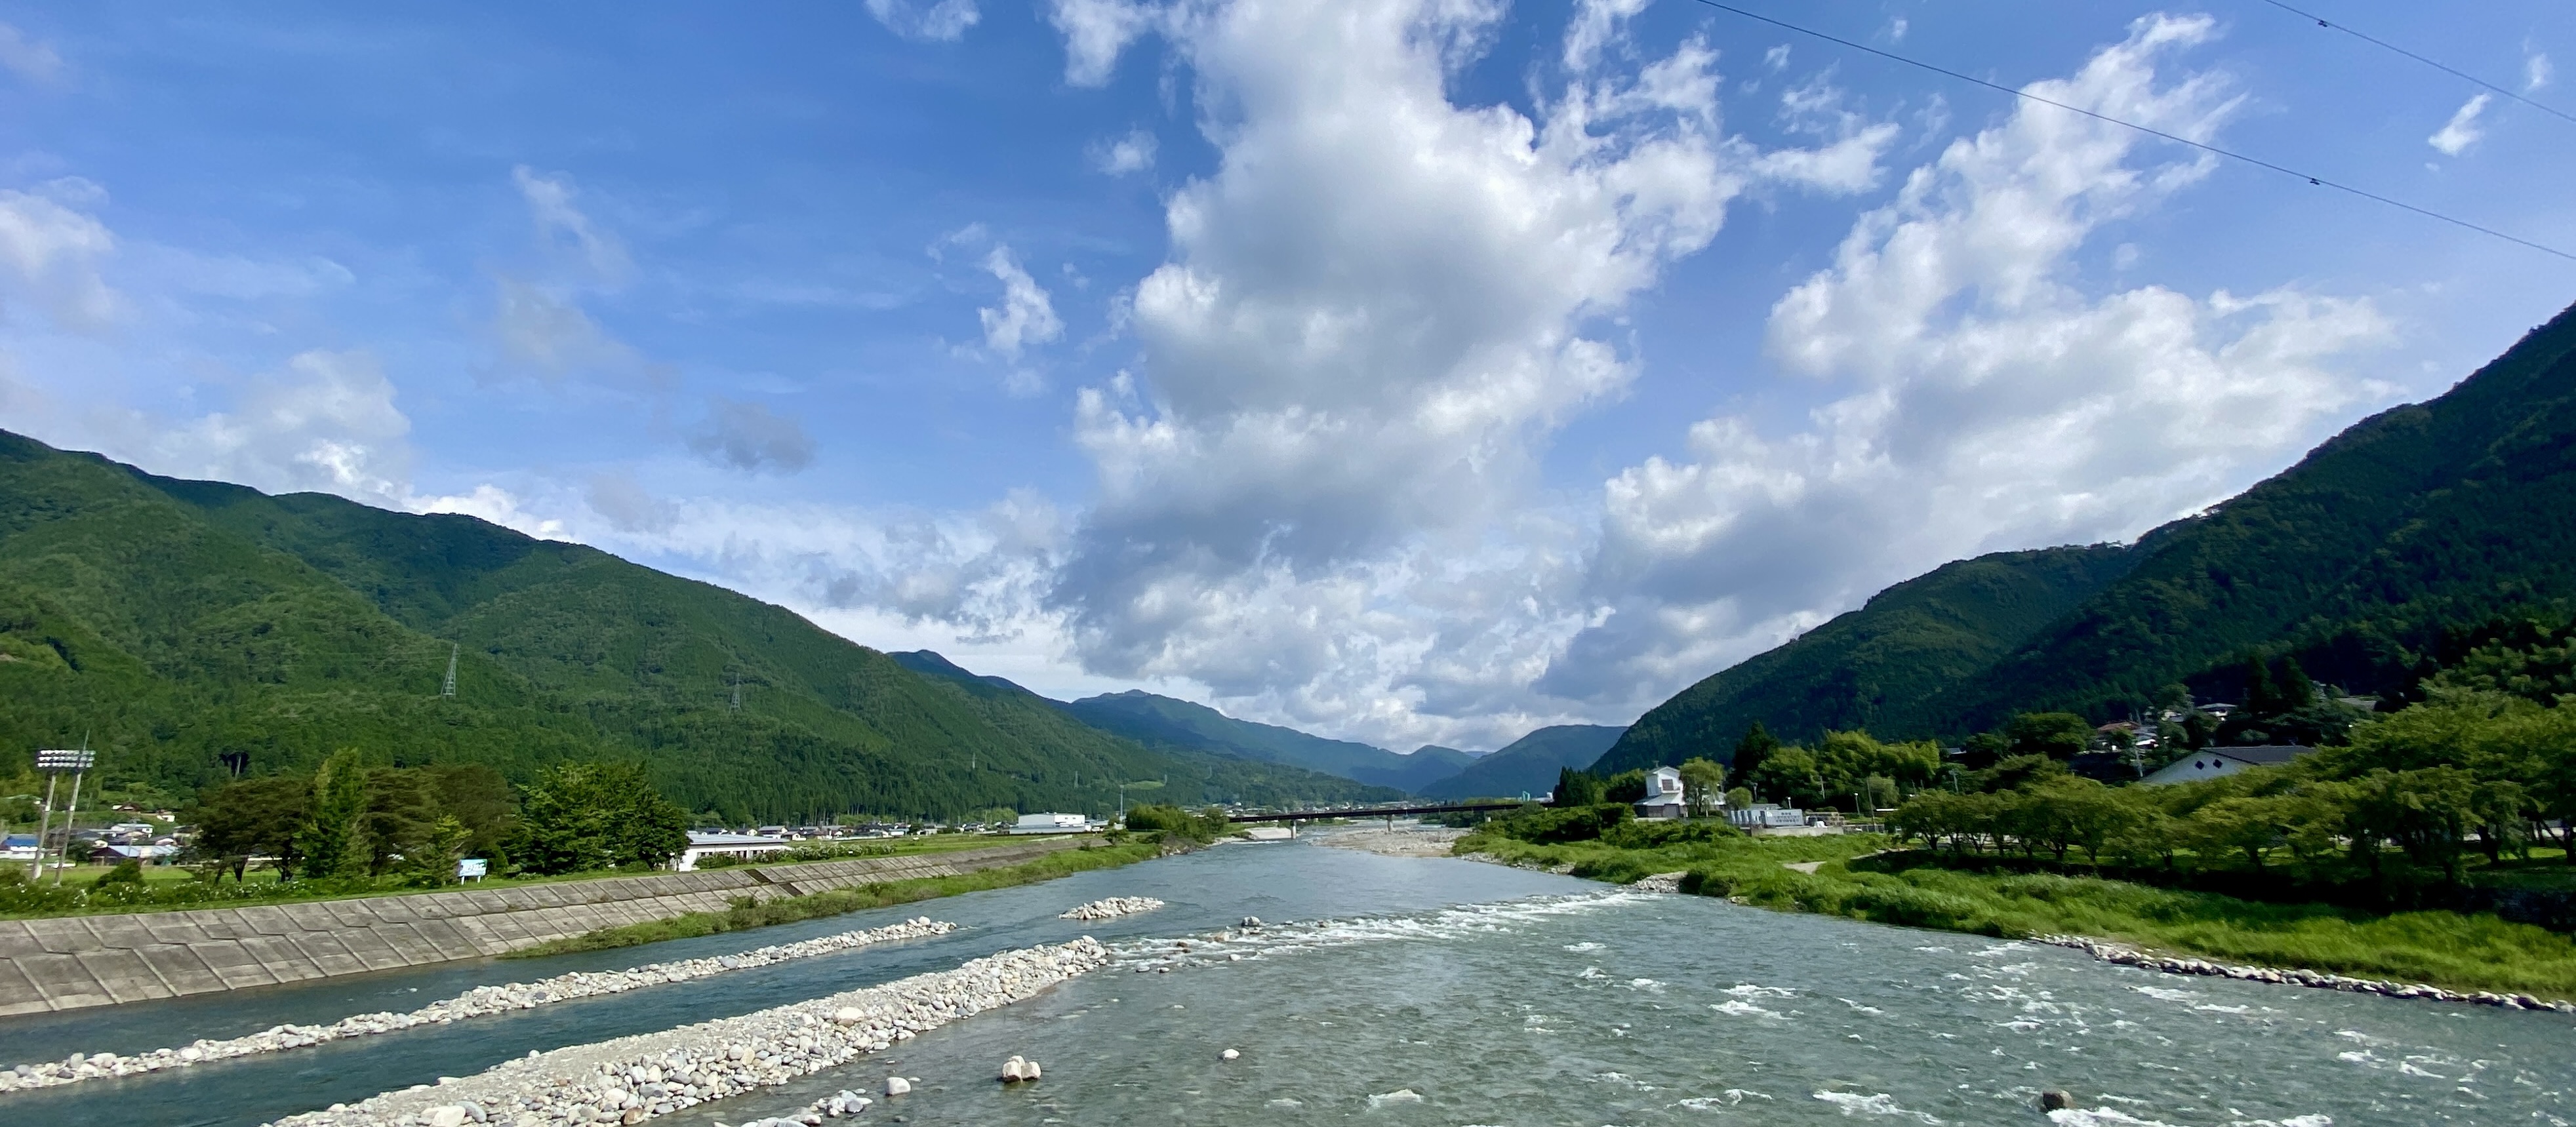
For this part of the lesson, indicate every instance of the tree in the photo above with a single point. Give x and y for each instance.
(581, 816)
(1756, 746)
(433, 859)
(1739, 798)
(249, 818)
(1627, 786)
(401, 808)
(479, 797)
(1703, 786)
(1789, 773)
(334, 841)
(2058, 735)
(1575, 788)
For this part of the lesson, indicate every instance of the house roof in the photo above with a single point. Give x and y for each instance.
(702, 837)
(2265, 754)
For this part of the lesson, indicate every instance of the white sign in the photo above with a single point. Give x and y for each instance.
(471, 868)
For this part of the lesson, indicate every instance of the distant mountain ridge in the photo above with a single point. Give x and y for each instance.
(2353, 561)
(1161, 721)
(178, 622)
(1529, 765)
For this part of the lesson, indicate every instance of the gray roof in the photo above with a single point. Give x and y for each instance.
(2266, 754)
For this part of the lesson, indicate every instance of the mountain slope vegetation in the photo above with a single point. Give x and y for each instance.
(2358, 562)
(1529, 765)
(1885, 667)
(194, 629)
(1161, 721)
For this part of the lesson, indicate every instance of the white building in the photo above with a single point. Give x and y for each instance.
(1663, 795)
(2212, 762)
(748, 847)
(1764, 815)
(1051, 824)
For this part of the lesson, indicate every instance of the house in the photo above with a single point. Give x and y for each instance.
(1051, 824)
(1663, 795)
(18, 847)
(2210, 763)
(748, 847)
(119, 854)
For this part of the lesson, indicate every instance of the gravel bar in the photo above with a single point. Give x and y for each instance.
(632, 1079)
(1112, 907)
(478, 1002)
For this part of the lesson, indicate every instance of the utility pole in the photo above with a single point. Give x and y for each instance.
(447, 688)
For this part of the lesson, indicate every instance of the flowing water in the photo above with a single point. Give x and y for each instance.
(1415, 993)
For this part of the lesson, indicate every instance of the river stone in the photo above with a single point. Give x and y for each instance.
(451, 1115)
(896, 1086)
(1229, 1054)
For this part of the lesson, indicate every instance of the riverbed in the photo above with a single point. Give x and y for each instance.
(1413, 991)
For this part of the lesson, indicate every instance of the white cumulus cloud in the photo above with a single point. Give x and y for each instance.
(1026, 315)
(1131, 153)
(941, 22)
(2457, 134)
(1989, 402)
(51, 255)
(1316, 493)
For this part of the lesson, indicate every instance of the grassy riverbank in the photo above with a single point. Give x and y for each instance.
(174, 888)
(790, 909)
(2449, 949)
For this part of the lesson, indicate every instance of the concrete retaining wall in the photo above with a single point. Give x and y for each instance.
(71, 962)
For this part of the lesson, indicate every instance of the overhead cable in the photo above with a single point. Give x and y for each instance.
(2462, 75)
(2204, 146)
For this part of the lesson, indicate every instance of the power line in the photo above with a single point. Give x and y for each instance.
(2462, 75)
(2204, 146)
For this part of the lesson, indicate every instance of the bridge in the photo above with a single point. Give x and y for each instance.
(1390, 813)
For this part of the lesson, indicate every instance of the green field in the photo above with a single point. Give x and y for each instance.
(263, 887)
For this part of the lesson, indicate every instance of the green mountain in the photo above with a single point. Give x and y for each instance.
(1887, 667)
(1160, 721)
(2421, 520)
(181, 626)
(1529, 764)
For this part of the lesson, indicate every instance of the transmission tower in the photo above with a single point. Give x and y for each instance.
(447, 688)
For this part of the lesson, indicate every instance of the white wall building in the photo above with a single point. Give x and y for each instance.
(1664, 798)
(1051, 824)
(748, 847)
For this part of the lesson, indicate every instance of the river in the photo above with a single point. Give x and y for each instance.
(1412, 993)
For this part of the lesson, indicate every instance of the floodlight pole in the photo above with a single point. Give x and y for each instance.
(44, 825)
(71, 817)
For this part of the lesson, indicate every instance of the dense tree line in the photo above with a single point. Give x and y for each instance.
(2466, 772)
(351, 822)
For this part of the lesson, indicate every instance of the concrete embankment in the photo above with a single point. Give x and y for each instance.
(73, 962)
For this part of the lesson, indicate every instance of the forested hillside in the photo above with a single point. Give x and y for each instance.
(191, 629)
(2427, 517)
(1885, 667)
(2357, 562)
(1161, 721)
(1528, 764)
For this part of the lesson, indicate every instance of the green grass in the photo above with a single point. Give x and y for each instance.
(745, 915)
(263, 886)
(2449, 949)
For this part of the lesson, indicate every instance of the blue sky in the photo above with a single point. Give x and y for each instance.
(1406, 370)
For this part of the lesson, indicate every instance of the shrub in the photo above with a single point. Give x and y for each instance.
(1574, 823)
(128, 871)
